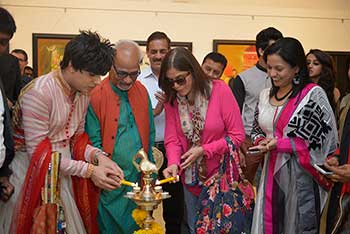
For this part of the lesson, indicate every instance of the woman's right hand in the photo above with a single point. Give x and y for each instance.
(171, 171)
(265, 145)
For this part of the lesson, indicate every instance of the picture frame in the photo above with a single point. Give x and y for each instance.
(340, 63)
(240, 55)
(173, 44)
(48, 51)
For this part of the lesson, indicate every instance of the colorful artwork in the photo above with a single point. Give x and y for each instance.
(240, 55)
(48, 51)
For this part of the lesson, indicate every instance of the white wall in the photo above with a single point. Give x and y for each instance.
(321, 24)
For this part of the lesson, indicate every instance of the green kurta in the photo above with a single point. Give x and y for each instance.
(114, 210)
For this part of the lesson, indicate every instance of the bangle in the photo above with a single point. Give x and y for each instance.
(89, 170)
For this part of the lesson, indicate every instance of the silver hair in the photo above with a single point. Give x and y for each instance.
(129, 42)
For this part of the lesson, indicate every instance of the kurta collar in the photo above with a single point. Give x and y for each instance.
(67, 90)
(148, 73)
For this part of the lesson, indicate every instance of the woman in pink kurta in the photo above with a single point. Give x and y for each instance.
(200, 113)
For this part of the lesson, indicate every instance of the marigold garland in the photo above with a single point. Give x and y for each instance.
(139, 216)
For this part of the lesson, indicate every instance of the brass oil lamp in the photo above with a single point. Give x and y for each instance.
(150, 194)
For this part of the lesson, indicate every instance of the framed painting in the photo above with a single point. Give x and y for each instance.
(142, 44)
(48, 51)
(240, 55)
(340, 59)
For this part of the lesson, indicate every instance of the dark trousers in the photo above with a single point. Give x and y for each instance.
(173, 207)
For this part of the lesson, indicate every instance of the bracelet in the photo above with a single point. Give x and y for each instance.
(89, 170)
(95, 158)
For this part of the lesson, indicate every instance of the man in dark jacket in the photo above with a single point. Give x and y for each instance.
(7, 29)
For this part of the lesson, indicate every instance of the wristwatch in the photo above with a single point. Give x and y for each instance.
(95, 160)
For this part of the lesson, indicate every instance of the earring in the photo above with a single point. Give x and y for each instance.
(296, 79)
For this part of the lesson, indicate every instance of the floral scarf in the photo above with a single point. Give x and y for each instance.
(192, 120)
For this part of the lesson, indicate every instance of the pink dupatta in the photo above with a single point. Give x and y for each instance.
(303, 155)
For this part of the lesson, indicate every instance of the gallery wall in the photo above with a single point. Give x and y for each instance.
(317, 24)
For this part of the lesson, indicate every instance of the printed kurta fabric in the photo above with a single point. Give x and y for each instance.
(47, 110)
(114, 210)
(292, 194)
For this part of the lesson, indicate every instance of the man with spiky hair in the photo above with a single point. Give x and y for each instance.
(50, 116)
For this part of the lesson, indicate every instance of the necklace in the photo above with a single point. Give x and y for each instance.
(283, 97)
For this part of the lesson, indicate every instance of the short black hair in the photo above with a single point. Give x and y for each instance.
(88, 52)
(20, 51)
(265, 36)
(28, 67)
(157, 35)
(7, 23)
(216, 57)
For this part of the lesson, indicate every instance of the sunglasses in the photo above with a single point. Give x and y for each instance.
(123, 74)
(181, 80)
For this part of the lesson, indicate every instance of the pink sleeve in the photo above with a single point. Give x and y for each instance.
(171, 140)
(35, 118)
(232, 120)
(284, 145)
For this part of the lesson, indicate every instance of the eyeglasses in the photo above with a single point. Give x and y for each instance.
(181, 80)
(123, 74)
(4, 41)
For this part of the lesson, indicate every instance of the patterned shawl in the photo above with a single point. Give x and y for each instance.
(192, 123)
(292, 193)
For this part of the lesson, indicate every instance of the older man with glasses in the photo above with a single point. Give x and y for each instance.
(120, 121)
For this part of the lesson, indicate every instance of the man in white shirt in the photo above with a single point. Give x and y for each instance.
(158, 44)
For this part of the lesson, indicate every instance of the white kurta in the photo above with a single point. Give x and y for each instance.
(48, 111)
